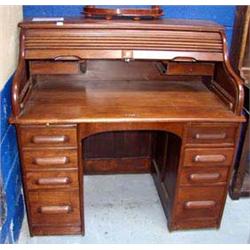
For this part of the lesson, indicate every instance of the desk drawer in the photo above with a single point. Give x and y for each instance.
(212, 134)
(48, 136)
(193, 176)
(45, 159)
(208, 157)
(200, 202)
(54, 207)
(51, 179)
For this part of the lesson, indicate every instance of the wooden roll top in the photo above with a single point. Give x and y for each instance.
(191, 47)
(99, 39)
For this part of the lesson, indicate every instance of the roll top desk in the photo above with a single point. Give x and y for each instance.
(120, 96)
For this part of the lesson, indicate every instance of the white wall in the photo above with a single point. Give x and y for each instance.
(9, 36)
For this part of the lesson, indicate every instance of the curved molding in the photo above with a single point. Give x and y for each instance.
(19, 80)
(238, 82)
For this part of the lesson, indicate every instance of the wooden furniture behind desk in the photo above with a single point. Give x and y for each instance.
(240, 58)
(105, 97)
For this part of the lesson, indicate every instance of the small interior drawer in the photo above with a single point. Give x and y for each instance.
(212, 134)
(189, 68)
(193, 176)
(54, 67)
(48, 136)
(45, 159)
(54, 207)
(200, 202)
(51, 179)
(208, 157)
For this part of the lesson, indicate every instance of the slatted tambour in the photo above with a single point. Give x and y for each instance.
(111, 43)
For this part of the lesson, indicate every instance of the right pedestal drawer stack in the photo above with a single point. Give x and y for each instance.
(204, 173)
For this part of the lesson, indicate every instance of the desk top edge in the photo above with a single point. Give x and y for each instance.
(160, 24)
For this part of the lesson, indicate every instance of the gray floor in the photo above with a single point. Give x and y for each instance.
(126, 209)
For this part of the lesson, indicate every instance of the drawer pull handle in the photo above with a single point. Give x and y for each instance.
(204, 177)
(53, 181)
(210, 136)
(209, 158)
(40, 139)
(199, 204)
(67, 58)
(55, 209)
(51, 161)
(184, 59)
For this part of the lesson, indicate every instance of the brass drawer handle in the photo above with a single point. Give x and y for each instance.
(53, 181)
(40, 139)
(209, 158)
(210, 136)
(199, 204)
(55, 209)
(204, 177)
(51, 160)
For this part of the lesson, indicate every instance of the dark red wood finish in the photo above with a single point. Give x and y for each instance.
(104, 97)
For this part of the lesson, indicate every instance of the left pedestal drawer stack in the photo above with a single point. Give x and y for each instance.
(49, 158)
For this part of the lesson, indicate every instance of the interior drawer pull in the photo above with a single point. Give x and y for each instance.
(209, 158)
(53, 181)
(210, 136)
(51, 160)
(204, 177)
(199, 204)
(55, 209)
(40, 139)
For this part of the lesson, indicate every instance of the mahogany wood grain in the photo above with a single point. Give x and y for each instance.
(47, 208)
(205, 157)
(42, 136)
(119, 165)
(53, 159)
(205, 176)
(135, 13)
(75, 115)
(163, 24)
(199, 202)
(98, 101)
(41, 230)
(204, 69)
(51, 180)
(207, 134)
(48, 67)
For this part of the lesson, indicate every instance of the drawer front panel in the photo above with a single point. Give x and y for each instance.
(45, 136)
(200, 202)
(177, 68)
(51, 179)
(54, 208)
(212, 134)
(208, 157)
(41, 159)
(55, 230)
(205, 176)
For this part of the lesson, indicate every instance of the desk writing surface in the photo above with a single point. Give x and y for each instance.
(70, 99)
